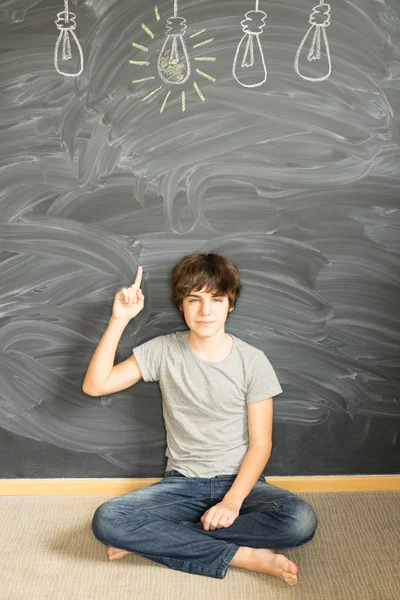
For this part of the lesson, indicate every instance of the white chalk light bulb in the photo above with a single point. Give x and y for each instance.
(249, 65)
(64, 50)
(173, 62)
(313, 59)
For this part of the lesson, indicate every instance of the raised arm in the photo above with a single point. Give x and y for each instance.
(102, 377)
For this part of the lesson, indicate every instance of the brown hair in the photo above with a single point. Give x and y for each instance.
(213, 271)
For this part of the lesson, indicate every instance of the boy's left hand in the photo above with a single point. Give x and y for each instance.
(220, 515)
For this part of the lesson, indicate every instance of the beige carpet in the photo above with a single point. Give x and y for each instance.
(48, 552)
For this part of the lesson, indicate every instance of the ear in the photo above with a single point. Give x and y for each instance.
(230, 310)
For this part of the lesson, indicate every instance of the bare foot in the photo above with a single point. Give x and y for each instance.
(265, 561)
(116, 553)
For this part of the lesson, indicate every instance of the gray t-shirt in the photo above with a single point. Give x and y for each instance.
(205, 403)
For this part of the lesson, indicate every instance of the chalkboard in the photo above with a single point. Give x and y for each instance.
(135, 132)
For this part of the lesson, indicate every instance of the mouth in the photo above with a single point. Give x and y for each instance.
(205, 322)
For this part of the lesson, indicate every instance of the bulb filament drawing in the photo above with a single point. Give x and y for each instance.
(64, 50)
(314, 46)
(249, 65)
(173, 62)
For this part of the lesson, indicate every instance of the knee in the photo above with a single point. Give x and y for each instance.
(104, 523)
(304, 521)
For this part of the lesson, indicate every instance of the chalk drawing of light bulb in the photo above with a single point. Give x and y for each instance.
(249, 65)
(64, 51)
(176, 78)
(173, 62)
(313, 59)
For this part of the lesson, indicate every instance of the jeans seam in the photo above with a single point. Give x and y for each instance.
(225, 564)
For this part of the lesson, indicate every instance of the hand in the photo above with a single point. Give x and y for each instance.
(220, 515)
(128, 302)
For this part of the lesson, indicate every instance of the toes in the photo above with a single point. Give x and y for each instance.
(291, 573)
(291, 567)
(291, 579)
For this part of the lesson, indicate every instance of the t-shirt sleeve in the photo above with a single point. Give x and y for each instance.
(149, 356)
(263, 382)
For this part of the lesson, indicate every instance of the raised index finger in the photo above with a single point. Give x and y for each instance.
(138, 279)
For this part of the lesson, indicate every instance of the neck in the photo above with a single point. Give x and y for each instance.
(215, 348)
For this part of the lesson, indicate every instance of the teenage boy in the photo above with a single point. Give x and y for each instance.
(213, 508)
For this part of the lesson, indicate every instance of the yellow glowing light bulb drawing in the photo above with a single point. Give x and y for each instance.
(173, 64)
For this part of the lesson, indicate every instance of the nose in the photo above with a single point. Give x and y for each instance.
(205, 308)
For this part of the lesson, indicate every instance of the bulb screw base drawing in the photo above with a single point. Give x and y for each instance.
(320, 15)
(254, 22)
(175, 26)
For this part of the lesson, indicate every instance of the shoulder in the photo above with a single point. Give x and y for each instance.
(175, 338)
(253, 359)
(260, 376)
(169, 340)
(250, 353)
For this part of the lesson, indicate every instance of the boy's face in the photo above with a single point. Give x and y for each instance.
(204, 312)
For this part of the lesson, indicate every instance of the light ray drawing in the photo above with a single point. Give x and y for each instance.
(64, 49)
(314, 46)
(173, 64)
(249, 65)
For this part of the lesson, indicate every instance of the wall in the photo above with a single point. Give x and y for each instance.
(296, 178)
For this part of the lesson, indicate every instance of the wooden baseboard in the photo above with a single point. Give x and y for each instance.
(332, 483)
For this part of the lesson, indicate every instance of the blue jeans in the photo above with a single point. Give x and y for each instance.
(162, 522)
